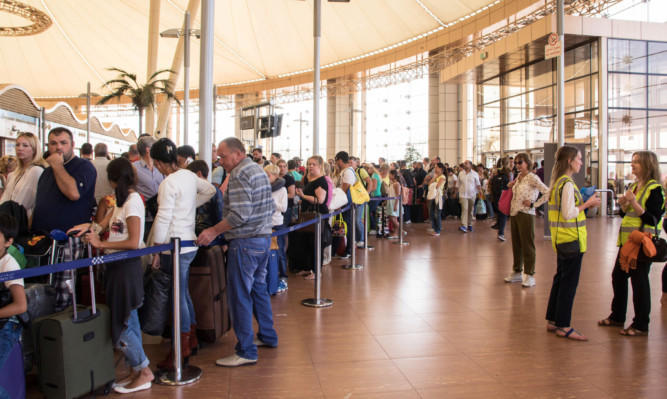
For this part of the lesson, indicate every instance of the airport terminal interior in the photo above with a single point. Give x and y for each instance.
(462, 80)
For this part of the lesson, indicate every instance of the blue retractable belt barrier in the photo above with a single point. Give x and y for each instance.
(77, 264)
(311, 221)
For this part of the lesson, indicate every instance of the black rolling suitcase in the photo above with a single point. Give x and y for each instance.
(74, 350)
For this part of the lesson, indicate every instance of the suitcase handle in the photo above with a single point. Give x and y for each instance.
(84, 315)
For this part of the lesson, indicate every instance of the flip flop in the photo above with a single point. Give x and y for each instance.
(609, 323)
(568, 334)
(551, 326)
(633, 332)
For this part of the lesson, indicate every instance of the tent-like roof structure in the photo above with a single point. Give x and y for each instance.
(253, 39)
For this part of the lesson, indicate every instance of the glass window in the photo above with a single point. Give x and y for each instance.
(627, 91)
(541, 131)
(657, 92)
(515, 82)
(540, 103)
(515, 109)
(577, 62)
(627, 130)
(578, 94)
(657, 57)
(540, 75)
(657, 131)
(627, 56)
(489, 91)
(594, 57)
(489, 115)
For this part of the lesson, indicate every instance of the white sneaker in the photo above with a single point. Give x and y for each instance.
(430, 230)
(529, 281)
(234, 361)
(513, 278)
(372, 232)
(407, 222)
(360, 244)
(501, 238)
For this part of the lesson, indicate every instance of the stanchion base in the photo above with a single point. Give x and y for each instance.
(189, 374)
(352, 267)
(317, 303)
(401, 243)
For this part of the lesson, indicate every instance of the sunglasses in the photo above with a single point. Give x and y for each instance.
(518, 162)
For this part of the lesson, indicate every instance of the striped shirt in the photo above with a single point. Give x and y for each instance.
(248, 203)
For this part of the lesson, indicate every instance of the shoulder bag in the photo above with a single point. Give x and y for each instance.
(505, 201)
(358, 192)
(660, 247)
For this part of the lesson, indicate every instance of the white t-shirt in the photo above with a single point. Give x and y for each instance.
(347, 176)
(9, 264)
(118, 230)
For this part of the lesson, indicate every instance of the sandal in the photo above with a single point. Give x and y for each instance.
(310, 276)
(568, 334)
(303, 273)
(609, 323)
(551, 326)
(633, 332)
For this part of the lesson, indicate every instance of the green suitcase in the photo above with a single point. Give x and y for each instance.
(74, 358)
(74, 350)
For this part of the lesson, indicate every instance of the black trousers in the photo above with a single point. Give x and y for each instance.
(563, 289)
(641, 294)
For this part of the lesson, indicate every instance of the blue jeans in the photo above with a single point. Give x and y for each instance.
(489, 208)
(436, 223)
(9, 336)
(372, 207)
(247, 259)
(282, 255)
(131, 344)
(187, 308)
(502, 221)
(359, 222)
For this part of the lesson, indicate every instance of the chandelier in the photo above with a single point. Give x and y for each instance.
(40, 21)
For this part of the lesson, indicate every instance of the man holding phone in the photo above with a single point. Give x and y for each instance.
(65, 196)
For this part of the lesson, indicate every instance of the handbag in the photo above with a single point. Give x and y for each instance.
(505, 201)
(154, 313)
(660, 246)
(339, 226)
(358, 192)
(406, 195)
(306, 216)
(566, 250)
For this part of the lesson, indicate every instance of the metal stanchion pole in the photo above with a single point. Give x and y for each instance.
(318, 302)
(187, 374)
(353, 265)
(367, 219)
(400, 221)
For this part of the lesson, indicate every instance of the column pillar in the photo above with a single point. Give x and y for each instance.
(340, 123)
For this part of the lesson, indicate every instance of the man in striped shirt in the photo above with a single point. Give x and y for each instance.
(246, 223)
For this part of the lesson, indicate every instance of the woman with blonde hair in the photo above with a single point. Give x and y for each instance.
(642, 205)
(374, 191)
(314, 196)
(525, 190)
(22, 183)
(567, 223)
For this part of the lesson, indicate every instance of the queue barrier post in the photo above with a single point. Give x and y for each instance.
(400, 221)
(318, 302)
(366, 225)
(353, 265)
(180, 375)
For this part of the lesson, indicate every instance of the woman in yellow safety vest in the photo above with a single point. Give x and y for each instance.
(643, 203)
(567, 223)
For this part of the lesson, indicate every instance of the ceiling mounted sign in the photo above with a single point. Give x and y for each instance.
(40, 21)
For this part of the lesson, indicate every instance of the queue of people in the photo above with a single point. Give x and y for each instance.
(157, 196)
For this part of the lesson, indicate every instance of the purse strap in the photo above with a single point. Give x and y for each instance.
(655, 225)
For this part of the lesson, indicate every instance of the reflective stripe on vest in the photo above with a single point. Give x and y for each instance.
(566, 230)
(631, 221)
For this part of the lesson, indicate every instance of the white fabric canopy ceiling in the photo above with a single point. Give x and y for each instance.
(254, 39)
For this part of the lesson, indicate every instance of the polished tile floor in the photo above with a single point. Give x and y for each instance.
(434, 319)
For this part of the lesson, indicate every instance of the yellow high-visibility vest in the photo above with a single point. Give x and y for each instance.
(566, 230)
(631, 221)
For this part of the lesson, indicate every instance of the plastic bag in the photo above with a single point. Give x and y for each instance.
(154, 313)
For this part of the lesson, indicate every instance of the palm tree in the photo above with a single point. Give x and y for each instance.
(142, 96)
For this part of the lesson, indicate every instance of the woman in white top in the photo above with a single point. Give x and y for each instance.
(525, 190)
(179, 195)
(279, 194)
(124, 279)
(22, 183)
